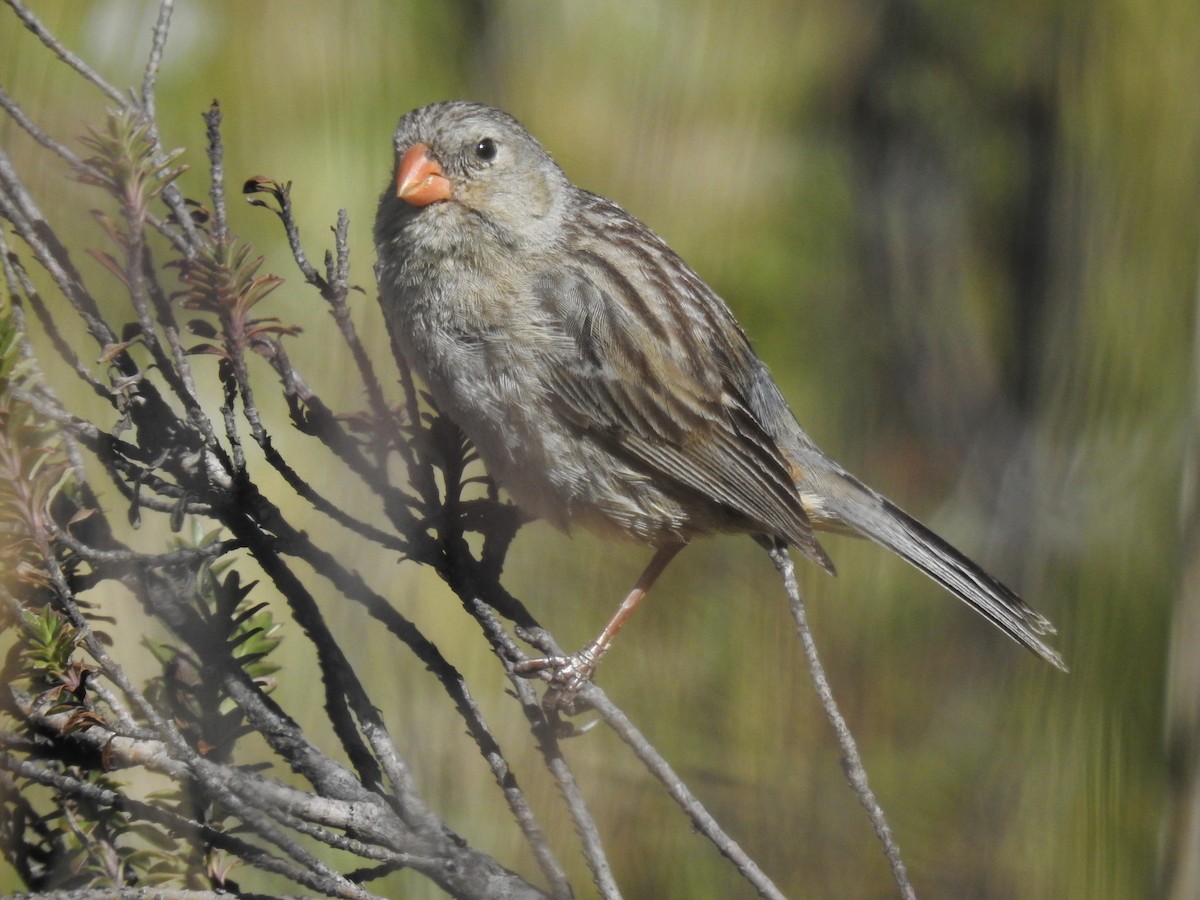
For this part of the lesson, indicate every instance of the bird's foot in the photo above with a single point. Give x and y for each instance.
(567, 676)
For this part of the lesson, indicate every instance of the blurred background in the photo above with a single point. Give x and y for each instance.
(963, 235)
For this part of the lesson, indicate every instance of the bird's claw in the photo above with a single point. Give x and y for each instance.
(567, 676)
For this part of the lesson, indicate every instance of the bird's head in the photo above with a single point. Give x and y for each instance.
(469, 161)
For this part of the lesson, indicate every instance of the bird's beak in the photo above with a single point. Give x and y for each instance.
(419, 179)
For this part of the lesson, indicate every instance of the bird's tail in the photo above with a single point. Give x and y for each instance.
(851, 504)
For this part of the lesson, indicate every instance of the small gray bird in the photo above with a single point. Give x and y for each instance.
(603, 383)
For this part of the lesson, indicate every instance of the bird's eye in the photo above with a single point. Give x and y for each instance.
(486, 150)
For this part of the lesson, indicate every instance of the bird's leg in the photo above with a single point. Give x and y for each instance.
(570, 673)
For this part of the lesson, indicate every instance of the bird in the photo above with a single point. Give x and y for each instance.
(602, 382)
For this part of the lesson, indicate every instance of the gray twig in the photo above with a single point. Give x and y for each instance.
(856, 774)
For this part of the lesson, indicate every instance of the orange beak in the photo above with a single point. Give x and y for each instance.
(419, 179)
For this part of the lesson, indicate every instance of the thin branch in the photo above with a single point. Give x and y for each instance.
(852, 764)
(326, 882)
(182, 380)
(184, 556)
(340, 309)
(335, 289)
(544, 733)
(216, 178)
(128, 893)
(419, 467)
(21, 285)
(315, 873)
(336, 669)
(18, 207)
(171, 194)
(158, 42)
(701, 818)
(43, 34)
(10, 106)
(311, 414)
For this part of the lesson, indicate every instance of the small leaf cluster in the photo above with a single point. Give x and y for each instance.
(32, 470)
(200, 707)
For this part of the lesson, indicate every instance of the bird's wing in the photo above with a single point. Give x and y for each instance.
(656, 375)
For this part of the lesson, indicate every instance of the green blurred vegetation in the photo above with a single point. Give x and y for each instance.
(964, 237)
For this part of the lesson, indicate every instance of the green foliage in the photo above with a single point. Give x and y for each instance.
(199, 705)
(223, 281)
(84, 836)
(91, 846)
(32, 471)
(124, 162)
(88, 844)
(48, 648)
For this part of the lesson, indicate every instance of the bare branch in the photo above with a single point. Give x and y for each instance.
(10, 106)
(856, 774)
(56, 47)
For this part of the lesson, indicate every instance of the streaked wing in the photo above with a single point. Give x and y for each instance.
(658, 370)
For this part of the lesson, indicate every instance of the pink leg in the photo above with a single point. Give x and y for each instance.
(571, 673)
